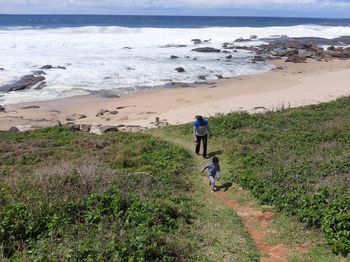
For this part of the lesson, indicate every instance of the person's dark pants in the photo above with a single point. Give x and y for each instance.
(203, 139)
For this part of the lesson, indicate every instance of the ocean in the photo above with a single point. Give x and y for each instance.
(119, 55)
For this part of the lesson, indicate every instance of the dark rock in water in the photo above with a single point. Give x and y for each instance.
(241, 39)
(225, 51)
(130, 68)
(105, 93)
(48, 67)
(258, 58)
(75, 117)
(13, 129)
(296, 59)
(2, 109)
(85, 128)
(30, 107)
(24, 82)
(229, 57)
(41, 85)
(207, 41)
(253, 37)
(202, 77)
(173, 45)
(2, 69)
(127, 47)
(38, 72)
(219, 76)
(196, 41)
(176, 84)
(174, 57)
(206, 50)
(180, 69)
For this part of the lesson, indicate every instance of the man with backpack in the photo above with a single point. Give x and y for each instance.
(201, 131)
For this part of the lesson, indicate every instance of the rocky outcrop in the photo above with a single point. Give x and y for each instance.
(296, 59)
(25, 82)
(2, 109)
(206, 50)
(75, 117)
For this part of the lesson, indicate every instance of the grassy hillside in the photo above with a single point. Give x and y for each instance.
(73, 196)
(296, 159)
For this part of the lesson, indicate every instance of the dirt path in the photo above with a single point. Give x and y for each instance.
(255, 219)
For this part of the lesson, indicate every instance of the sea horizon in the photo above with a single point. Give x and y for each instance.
(121, 54)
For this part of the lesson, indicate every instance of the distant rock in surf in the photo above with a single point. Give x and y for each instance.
(172, 45)
(38, 72)
(206, 50)
(180, 69)
(49, 67)
(174, 57)
(196, 41)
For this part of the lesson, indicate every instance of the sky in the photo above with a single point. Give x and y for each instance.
(289, 8)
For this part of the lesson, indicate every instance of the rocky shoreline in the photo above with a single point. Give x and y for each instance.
(289, 50)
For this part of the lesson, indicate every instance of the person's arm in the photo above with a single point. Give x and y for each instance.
(194, 133)
(217, 175)
(204, 168)
(208, 130)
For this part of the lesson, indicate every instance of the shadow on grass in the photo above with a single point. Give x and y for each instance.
(224, 187)
(215, 153)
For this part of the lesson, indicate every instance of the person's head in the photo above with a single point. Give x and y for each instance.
(199, 118)
(215, 160)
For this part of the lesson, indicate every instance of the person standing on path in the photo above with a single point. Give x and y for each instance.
(213, 172)
(201, 131)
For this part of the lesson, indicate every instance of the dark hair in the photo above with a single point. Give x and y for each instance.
(215, 160)
(199, 118)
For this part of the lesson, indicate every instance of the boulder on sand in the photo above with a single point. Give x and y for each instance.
(2, 109)
(74, 117)
(206, 50)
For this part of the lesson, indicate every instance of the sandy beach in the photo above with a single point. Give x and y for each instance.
(289, 85)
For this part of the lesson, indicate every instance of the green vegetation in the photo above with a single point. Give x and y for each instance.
(133, 197)
(297, 160)
(74, 196)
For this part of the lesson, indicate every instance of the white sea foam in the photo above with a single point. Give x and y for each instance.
(96, 59)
